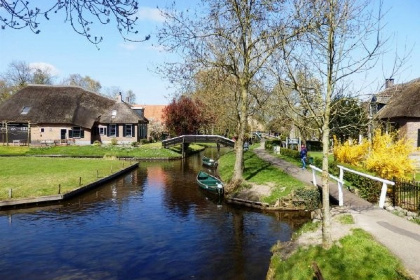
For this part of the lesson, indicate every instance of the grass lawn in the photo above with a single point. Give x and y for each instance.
(153, 150)
(34, 176)
(259, 172)
(356, 256)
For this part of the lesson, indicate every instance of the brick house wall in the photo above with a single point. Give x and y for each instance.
(410, 129)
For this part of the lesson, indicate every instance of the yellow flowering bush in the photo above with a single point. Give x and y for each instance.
(387, 157)
(350, 152)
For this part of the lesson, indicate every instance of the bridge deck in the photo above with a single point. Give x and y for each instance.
(198, 138)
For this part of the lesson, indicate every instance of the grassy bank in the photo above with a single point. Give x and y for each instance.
(32, 176)
(355, 256)
(260, 172)
(153, 150)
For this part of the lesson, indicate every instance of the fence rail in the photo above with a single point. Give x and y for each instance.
(198, 138)
(406, 195)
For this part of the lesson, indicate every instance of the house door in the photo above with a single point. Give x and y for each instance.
(63, 134)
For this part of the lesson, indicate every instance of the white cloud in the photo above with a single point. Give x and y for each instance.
(152, 14)
(46, 67)
(128, 46)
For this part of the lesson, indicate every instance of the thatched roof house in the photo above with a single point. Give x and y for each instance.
(403, 101)
(70, 114)
(401, 108)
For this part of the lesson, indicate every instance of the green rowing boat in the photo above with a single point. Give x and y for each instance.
(210, 183)
(209, 162)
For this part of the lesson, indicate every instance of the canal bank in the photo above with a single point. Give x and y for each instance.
(27, 202)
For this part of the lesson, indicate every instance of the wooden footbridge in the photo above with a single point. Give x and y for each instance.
(184, 139)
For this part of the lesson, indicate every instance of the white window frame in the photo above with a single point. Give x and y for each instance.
(113, 127)
(103, 130)
(77, 132)
(128, 128)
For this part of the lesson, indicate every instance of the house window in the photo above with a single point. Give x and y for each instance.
(77, 132)
(112, 130)
(42, 129)
(102, 130)
(113, 114)
(25, 110)
(128, 130)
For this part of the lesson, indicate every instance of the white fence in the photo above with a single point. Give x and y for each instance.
(340, 182)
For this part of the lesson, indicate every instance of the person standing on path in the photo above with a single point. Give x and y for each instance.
(303, 155)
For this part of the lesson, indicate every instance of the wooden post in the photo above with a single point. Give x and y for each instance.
(80, 181)
(313, 176)
(97, 173)
(383, 195)
(10, 193)
(59, 188)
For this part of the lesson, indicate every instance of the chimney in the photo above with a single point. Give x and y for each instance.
(389, 83)
(119, 98)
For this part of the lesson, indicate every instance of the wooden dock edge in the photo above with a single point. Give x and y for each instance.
(60, 197)
(259, 205)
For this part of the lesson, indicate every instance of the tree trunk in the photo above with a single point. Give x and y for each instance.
(326, 215)
(239, 145)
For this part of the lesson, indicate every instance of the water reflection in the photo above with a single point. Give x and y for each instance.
(154, 223)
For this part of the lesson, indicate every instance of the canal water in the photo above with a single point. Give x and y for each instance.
(153, 223)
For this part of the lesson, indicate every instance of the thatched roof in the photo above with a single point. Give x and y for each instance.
(403, 101)
(122, 114)
(63, 105)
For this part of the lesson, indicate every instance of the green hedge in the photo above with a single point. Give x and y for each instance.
(290, 153)
(311, 196)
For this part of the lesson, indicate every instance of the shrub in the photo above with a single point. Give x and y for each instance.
(290, 153)
(311, 196)
(143, 141)
(350, 152)
(114, 141)
(389, 158)
(97, 143)
(135, 144)
(386, 157)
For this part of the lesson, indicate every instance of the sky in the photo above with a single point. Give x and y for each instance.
(129, 65)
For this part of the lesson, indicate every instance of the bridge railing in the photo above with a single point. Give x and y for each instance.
(198, 138)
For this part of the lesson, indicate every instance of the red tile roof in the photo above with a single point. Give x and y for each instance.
(153, 112)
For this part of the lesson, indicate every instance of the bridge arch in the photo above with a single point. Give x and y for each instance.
(198, 138)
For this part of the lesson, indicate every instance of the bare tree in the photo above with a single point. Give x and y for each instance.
(237, 37)
(5, 90)
(18, 14)
(42, 76)
(18, 74)
(316, 68)
(131, 96)
(217, 92)
(85, 82)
